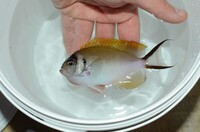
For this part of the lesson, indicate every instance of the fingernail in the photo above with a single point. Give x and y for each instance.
(180, 12)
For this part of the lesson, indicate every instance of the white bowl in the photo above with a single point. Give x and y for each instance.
(31, 53)
(67, 127)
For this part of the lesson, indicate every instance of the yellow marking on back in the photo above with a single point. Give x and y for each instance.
(124, 45)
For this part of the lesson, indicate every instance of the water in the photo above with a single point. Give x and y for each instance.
(49, 54)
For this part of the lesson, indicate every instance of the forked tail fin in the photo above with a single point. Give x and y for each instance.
(151, 53)
(154, 50)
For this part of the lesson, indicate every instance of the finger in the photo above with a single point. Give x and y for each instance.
(63, 3)
(162, 10)
(75, 33)
(99, 14)
(130, 30)
(105, 30)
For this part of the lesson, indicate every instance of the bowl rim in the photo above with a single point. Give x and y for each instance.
(147, 109)
(172, 103)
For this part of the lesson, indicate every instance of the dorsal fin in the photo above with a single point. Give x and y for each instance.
(123, 45)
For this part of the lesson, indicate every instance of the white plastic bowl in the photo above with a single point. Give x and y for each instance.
(155, 114)
(31, 53)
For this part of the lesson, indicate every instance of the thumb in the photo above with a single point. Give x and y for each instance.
(163, 10)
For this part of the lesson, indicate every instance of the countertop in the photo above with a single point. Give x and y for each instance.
(185, 117)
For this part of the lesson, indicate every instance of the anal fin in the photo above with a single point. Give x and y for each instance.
(131, 81)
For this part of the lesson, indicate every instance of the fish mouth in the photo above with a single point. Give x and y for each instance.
(61, 71)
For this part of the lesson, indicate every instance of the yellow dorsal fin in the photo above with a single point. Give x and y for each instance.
(124, 45)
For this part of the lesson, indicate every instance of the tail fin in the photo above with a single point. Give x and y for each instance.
(154, 50)
(151, 53)
(157, 67)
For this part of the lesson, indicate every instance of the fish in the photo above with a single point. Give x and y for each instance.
(104, 62)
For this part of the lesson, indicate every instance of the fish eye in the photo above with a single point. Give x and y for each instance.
(71, 63)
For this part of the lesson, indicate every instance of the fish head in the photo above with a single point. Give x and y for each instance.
(73, 66)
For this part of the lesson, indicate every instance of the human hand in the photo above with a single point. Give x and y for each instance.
(78, 17)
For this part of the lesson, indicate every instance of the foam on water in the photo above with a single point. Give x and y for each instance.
(49, 54)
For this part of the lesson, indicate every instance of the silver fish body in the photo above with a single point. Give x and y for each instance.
(104, 65)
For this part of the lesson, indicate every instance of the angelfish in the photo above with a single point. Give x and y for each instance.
(105, 62)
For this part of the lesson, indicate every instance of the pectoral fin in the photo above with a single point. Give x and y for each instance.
(98, 89)
(131, 81)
